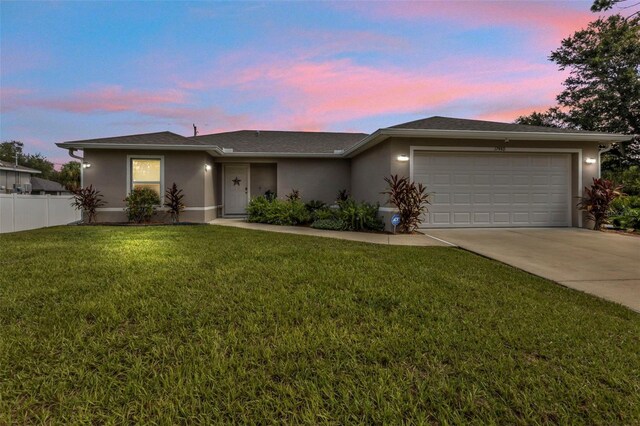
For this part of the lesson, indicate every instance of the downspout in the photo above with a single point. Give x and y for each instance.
(73, 155)
(600, 152)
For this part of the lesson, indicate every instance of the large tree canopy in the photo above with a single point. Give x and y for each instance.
(602, 91)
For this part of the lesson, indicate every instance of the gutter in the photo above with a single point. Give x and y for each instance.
(382, 134)
(371, 140)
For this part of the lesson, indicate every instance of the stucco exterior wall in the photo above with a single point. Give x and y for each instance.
(264, 178)
(368, 171)
(316, 179)
(108, 174)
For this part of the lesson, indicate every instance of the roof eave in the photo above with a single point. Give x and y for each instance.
(23, 170)
(155, 147)
(382, 134)
(280, 154)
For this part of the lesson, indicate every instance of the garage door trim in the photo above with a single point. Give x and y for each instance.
(500, 150)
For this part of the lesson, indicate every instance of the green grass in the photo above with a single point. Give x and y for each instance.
(211, 324)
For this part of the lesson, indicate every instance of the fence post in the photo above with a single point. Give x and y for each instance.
(46, 221)
(13, 212)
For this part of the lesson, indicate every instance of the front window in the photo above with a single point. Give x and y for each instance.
(146, 173)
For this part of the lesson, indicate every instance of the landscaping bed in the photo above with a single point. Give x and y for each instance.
(222, 325)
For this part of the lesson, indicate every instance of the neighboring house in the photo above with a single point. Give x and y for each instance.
(480, 173)
(44, 186)
(15, 178)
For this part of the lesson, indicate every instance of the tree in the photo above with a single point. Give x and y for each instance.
(602, 91)
(8, 151)
(553, 117)
(69, 175)
(39, 162)
(34, 161)
(602, 5)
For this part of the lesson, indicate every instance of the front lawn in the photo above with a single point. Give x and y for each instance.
(214, 324)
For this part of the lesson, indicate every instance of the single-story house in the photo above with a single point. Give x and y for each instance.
(480, 173)
(47, 187)
(14, 178)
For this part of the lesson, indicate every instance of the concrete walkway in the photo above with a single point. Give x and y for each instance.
(365, 237)
(601, 263)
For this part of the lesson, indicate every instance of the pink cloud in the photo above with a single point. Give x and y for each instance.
(510, 114)
(110, 99)
(315, 95)
(547, 18)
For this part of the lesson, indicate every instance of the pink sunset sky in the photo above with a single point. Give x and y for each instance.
(85, 70)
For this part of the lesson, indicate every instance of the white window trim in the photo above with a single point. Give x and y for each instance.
(146, 157)
(462, 149)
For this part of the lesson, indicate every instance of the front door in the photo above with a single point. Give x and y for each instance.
(236, 188)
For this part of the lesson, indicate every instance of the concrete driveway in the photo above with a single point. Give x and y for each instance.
(604, 264)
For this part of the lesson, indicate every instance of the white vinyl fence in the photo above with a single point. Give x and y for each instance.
(19, 212)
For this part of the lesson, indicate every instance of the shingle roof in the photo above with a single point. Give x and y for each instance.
(158, 138)
(302, 143)
(4, 165)
(448, 123)
(39, 184)
(269, 141)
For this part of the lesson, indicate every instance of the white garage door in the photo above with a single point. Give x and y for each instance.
(495, 189)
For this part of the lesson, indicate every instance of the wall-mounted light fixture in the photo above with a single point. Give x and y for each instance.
(403, 157)
(207, 167)
(590, 160)
(86, 165)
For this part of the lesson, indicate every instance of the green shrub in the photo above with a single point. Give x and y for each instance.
(277, 212)
(629, 219)
(625, 212)
(629, 178)
(359, 216)
(314, 205)
(325, 213)
(141, 205)
(330, 224)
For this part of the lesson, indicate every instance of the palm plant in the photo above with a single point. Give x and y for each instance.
(173, 202)
(88, 200)
(410, 199)
(597, 200)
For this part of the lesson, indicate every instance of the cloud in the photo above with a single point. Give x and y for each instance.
(108, 99)
(546, 18)
(312, 95)
(510, 114)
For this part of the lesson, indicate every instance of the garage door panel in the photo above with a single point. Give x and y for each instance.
(482, 179)
(501, 189)
(482, 218)
(441, 218)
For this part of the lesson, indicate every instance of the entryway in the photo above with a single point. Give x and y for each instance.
(236, 188)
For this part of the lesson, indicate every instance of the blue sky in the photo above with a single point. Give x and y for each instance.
(77, 70)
